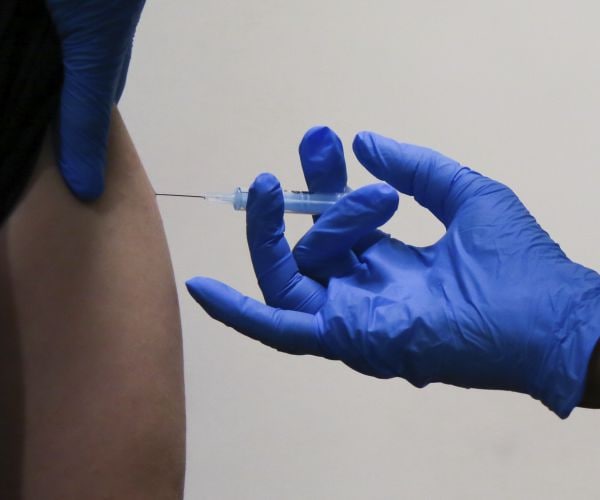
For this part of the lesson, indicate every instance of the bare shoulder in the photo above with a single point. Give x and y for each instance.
(91, 306)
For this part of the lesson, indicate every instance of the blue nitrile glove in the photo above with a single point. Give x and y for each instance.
(494, 304)
(97, 38)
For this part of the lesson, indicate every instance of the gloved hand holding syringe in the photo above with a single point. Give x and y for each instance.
(297, 202)
(493, 304)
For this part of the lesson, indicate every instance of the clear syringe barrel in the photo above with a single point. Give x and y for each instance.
(298, 202)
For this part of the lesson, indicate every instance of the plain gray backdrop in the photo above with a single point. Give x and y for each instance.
(222, 90)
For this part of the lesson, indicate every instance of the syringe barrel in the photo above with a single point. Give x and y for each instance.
(309, 203)
(298, 202)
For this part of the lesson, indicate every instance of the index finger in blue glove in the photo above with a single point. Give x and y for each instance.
(436, 181)
(326, 250)
(275, 268)
(288, 331)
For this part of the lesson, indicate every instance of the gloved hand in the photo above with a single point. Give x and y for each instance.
(494, 304)
(97, 38)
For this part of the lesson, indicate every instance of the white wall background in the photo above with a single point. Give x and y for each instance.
(221, 90)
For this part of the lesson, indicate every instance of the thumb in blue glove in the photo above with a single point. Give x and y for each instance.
(96, 37)
(494, 304)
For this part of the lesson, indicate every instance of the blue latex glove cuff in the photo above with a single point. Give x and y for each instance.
(561, 383)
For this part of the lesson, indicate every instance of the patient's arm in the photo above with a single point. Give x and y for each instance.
(88, 297)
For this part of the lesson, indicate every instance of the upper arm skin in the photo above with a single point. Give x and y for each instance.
(88, 293)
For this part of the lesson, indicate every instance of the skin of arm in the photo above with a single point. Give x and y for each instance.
(89, 299)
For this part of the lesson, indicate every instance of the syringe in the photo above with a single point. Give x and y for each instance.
(296, 202)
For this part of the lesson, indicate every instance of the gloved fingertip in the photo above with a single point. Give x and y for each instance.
(387, 199)
(86, 182)
(376, 196)
(373, 151)
(315, 130)
(214, 297)
(265, 205)
(362, 145)
(323, 163)
(221, 302)
(315, 137)
(264, 183)
(195, 286)
(387, 195)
